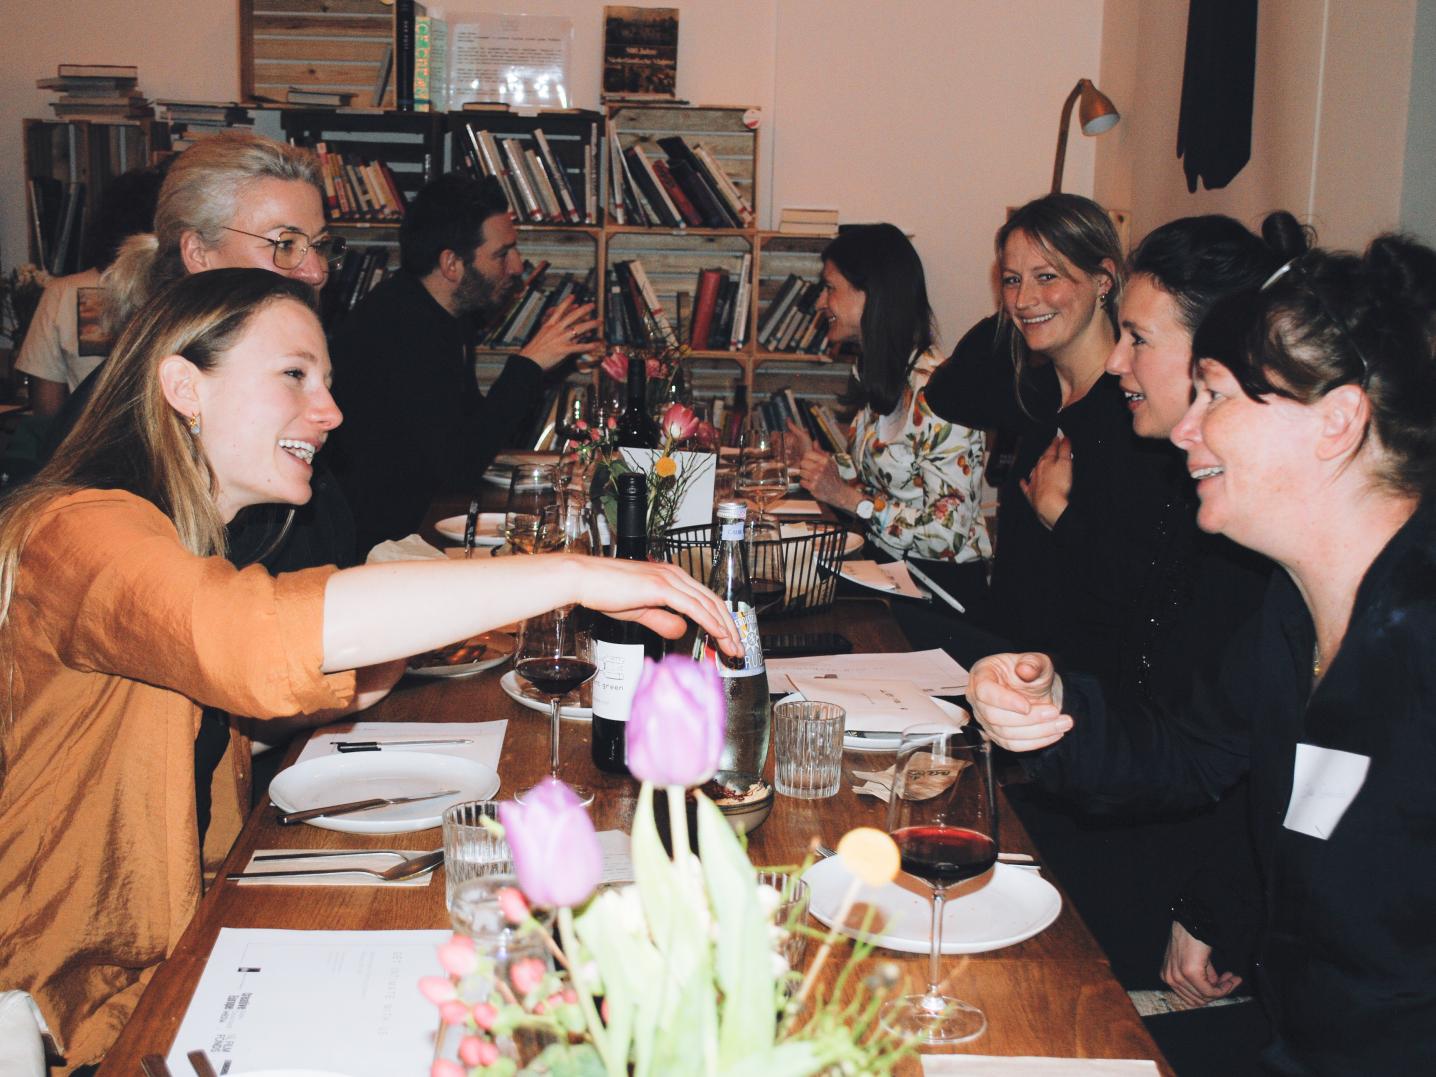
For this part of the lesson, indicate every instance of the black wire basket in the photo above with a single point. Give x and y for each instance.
(809, 553)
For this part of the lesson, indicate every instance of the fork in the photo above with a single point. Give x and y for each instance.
(405, 869)
(314, 854)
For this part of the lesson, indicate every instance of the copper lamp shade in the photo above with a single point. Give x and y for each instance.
(1096, 113)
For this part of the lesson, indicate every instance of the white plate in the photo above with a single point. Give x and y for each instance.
(854, 741)
(489, 532)
(1012, 905)
(500, 652)
(338, 779)
(852, 540)
(515, 689)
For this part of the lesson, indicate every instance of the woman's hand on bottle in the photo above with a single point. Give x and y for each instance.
(1188, 970)
(1018, 700)
(1049, 485)
(561, 335)
(653, 594)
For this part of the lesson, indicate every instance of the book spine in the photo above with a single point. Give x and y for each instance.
(778, 308)
(331, 200)
(650, 297)
(654, 189)
(742, 304)
(531, 207)
(591, 176)
(705, 301)
(615, 176)
(543, 186)
(493, 162)
(423, 45)
(686, 209)
(405, 12)
(560, 177)
(725, 185)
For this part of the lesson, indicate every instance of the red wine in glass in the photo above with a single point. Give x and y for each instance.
(555, 676)
(942, 856)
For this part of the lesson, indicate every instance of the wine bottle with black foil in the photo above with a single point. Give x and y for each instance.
(619, 647)
(636, 428)
(745, 680)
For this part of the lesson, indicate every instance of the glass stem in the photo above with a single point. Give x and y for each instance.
(935, 952)
(553, 718)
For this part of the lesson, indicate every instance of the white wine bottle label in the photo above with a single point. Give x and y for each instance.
(747, 622)
(619, 666)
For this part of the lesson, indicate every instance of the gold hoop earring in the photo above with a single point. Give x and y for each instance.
(194, 425)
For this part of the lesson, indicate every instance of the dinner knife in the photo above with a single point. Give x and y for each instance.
(377, 745)
(289, 818)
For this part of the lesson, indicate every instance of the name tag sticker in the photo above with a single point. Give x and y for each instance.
(1324, 783)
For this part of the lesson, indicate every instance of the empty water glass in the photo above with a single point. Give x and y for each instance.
(790, 915)
(471, 850)
(808, 744)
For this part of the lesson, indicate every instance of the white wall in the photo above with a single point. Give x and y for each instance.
(1328, 124)
(929, 113)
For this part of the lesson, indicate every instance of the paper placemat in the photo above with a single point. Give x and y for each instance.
(358, 859)
(487, 739)
(934, 671)
(891, 576)
(874, 706)
(794, 507)
(982, 1065)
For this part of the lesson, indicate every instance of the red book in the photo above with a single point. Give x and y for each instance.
(682, 201)
(704, 300)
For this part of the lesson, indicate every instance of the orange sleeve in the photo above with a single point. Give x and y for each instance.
(129, 600)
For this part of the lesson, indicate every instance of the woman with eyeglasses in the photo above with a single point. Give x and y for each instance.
(1312, 439)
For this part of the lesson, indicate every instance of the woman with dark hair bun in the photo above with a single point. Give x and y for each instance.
(1312, 437)
(913, 479)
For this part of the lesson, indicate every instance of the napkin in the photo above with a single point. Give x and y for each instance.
(412, 548)
(985, 1065)
(890, 576)
(486, 739)
(873, 706)
(794, 507)
(360, 859)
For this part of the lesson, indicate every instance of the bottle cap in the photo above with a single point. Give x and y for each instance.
(632, 484)
(732, 510)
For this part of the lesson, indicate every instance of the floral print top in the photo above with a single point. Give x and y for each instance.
(924, 476)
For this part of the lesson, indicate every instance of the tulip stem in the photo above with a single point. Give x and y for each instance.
(678, 823)
(585, 997)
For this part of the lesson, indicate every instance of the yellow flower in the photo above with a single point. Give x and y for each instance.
(665, 467)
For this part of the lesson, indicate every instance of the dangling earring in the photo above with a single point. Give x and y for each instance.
(1102, 299)
(194, 425)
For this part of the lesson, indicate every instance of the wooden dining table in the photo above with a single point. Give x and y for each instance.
(1052, 995)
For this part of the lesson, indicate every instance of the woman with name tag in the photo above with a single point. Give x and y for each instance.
(1312, 438)
(119, 618)
(913, 479)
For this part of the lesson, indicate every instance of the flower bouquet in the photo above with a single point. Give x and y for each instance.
(670, 472)
(678, 973)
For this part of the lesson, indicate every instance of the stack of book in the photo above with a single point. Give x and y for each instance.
(358, 190)
(357, 275)
(792, 322)
(192, 121)
(541, 292)
(720, 309)
(547, 180)
(685, 186)
(635, 314)
(311, 97)
(97, 92)
(808, 222)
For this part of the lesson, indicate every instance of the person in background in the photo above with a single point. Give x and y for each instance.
(1312, 440)
(913, 479)
(1078, 513)
(417, 423)
(119, 617)
(53, 354)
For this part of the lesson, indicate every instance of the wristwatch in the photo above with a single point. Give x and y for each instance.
(864, 510)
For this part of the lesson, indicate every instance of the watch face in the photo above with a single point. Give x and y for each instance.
(865, 509)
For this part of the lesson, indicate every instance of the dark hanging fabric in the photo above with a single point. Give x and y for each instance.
(1214, 132)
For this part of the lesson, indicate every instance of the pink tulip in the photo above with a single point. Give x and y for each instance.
(527, 974)
(615, 365)
(446, 1067)
(458, 956)
(453, 1012)
(437, 989)
(679, 422)
(555, 849)
(654, 369)
(478, 1052)
(675, 726)
(512, 904)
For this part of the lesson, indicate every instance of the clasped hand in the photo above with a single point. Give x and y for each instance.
(1049, 485)
(1018, 700)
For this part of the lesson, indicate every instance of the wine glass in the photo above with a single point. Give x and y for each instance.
(765, 564)
(764, 480)
(555, 655)
(532, 487)
(943, 816)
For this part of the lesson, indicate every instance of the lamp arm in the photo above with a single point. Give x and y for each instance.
(1061, 161)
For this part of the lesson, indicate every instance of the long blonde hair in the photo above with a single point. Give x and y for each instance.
(201, 193)
(129, 437)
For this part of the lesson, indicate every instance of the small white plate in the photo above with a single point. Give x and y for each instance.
(501, 649)
(852, 540)
(1011, 905)
(489, 532)
(517, 691)
(861, 741)
(338, 779)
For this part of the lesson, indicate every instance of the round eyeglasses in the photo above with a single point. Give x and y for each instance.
(291, 247)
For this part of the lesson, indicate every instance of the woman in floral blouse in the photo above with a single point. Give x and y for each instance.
(913, 478)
